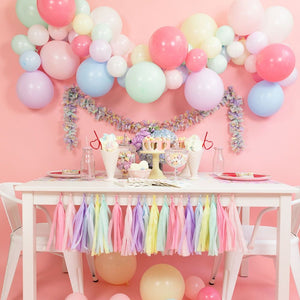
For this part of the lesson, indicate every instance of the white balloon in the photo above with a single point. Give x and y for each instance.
(120, 45)
(256, 41)
(250, 64)
(116, 66)
(235, 49)
(38, 35)
(174, 79)
(290, 79)
(278, 23)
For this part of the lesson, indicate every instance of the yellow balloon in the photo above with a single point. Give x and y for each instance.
(140, 53)
(161, 282)
(82, 24)
(212, 47)
(197, 28)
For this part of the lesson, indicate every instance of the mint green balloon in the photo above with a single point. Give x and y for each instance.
(102, 31)
(145, 82)
(225, 34)
(28, 14)
(82, 7)
(218, 63)
(20, 44)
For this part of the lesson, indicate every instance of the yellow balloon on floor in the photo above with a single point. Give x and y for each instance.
(161, 282)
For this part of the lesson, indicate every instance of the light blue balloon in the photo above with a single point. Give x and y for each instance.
(225, 54)
(93, 78)
(265, 98)
(121, 80)
(30, 61)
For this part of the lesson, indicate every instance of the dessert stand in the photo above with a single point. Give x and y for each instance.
(156, 172)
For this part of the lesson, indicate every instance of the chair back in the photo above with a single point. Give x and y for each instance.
(296, 215)
(10, 203)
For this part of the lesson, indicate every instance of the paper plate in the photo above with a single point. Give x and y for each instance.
(235, 176)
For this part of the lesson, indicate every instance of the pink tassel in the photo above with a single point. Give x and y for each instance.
(127, 237)
(69, 217)
(170, 247)
(230, 231)
(221, 226)
(182, 247)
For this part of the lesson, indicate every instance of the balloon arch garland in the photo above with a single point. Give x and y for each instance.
(74, 97)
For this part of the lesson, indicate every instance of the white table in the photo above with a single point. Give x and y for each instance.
(262, 194)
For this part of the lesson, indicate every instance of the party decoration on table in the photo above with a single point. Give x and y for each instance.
(76, 296)
(126, 157)
(160, 282)
(193, 284)
(208, 293)
(115, 268)
(119, 296)
(140, 170)
(176, 158)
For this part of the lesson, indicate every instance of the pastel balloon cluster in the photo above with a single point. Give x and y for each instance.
(67, 39)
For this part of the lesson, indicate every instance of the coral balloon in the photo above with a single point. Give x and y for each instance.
(208, 293)
(114, 268)
(161, 282)
(76, 296)
(58, 60)
(196, 60)
(275, 62)
(204, 90)
(119, 297)
(38, 35)
(57, 12)
(168, 47)
(35, 89)
(245, 16)
(193, 284)
(81, 45)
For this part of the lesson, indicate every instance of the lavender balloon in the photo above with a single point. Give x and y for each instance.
(35, 89)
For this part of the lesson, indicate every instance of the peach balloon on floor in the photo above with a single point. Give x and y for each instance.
(193, 285)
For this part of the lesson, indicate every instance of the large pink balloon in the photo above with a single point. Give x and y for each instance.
(35, 89)
(245, 16)
(58, 60)
(57, 12)
(204, 90)
(275, 62)
(196, 60)
(168, 47)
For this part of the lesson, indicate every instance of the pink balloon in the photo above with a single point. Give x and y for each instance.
(168, 47)
(196, 60)
(193, 285)
(256, 41)
(57, 12)
(256, 77)
(119, 297)
(58, 60)
(76, 296)
(81, 44)
(208, 293)
(100, 50)
(275, 62)
(58, 33)
(35, 89)
(204, 90)
(245, 16)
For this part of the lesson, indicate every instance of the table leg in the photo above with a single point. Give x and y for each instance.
(283, 248)
(245, 221)
(29, 247)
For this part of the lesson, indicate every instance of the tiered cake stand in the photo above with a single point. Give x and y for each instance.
(156, 172)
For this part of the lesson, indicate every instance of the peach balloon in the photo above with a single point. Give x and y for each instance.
(161, 282)
(114, 268)
(193, 285)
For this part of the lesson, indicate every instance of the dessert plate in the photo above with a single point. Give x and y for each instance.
(240, 177)
(61, 174)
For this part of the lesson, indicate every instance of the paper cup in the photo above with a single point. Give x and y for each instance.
(110, 159)
(194, 162)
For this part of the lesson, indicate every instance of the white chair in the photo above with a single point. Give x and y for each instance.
(73, 259)
(261, 240)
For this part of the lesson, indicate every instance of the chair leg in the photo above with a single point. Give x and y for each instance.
(215, 269)
(74, 265)
(295, 266)
(12, 262)
(91, 264)
(233, 261)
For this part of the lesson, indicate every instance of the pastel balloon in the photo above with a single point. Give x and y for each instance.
(57, 12)
(28, 14)
(265, 98)
(81, 45)
(38, 35)
(250, 64)
(240, 60)
(196, 60)
(115, 268)
(174, 79)
(275, 62)
(140, 53)
(82, 7)
(278, 23)
(58, 33)
(102, 31)
(116, 66)
(197, 28)
(145, 82)
(119, 297)
(235, 49)
(208, 293)
(290, 79)
(225, 54)
(193, 284)
(82, 24)
(161, 282)
(245, 16)
(204, 90)
(256, 41)
(120, 45)
(184, 71)
(211, 46)
(76, 296)
(35, 89)
(225, 34)
(100, 50)
(217, 64)
(121, 80)
(108, 16)
(20, 44)
(256, 77)
(58, 60)
(30, 60)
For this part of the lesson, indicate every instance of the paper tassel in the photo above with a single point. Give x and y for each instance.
(127, 237)
(151, 235)
(198, 221)
(182, 247)
(146, 215)
(89, 222)
(213, 228)
(204, 233)
(69, 217)
(115, 231)
(95, 248)
(137, 229)
(172, 225)
(104, 216)
(162, 228)
(230, 232)
(77, 242)
(221, 226)
(58, 223)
